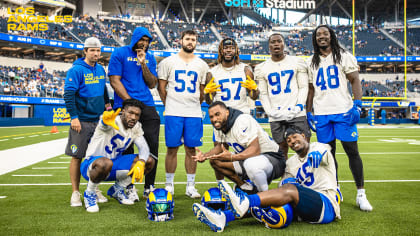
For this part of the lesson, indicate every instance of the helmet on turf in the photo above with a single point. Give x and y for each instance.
(213, 199)
(277, 217)
(160, 205)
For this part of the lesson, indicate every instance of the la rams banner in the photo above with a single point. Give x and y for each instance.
(30, 100)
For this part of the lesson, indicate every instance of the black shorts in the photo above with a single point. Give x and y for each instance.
(279, 127)
(78, 142)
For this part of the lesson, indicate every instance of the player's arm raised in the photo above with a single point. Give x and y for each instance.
(149, 78)
(210, 89)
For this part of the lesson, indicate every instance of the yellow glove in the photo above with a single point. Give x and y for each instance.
(211, 87)
(109, 118)
(249, 83)
(137, 171)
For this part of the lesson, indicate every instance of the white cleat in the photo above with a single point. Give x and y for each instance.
(363, 203)
(89, 198)
(75, 199)
(100, 197)
(238, 201)
(131, 193)
(216, 220)
(191, 191)
(170, 188)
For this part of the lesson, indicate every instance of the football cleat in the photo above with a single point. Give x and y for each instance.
(216, 220)
(147, 191)
(170, 188)
(277, 217)
(212, 198)
(363, 203)
(100, 197)
(75, 199)
(132, 193)
(160, 205)
(118, 193)
(191, 191)
(238, 201)
(90, 199)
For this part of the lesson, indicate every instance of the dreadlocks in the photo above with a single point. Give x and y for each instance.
(220, 55)
(335, 47)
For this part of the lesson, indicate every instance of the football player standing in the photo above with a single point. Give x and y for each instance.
(283, 84)
(181, 84)
(335, 114)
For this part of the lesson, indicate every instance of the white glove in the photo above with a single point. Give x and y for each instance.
(293, 112)
(278, 115)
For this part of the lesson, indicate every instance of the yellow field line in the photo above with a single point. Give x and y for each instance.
(14, 135)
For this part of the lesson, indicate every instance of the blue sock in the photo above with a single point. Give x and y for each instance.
(254, 200)
(229, 216)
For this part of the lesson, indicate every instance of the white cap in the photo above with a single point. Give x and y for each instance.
(92, 42)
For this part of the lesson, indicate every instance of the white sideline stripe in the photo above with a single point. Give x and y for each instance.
(162, 183)
(19, 138)
(48, 168)
(58, 162)
(66, 157)
(36, 135)
(30, 175)
(17, 158)
(1, 140)
(3, 196)
(45, 134)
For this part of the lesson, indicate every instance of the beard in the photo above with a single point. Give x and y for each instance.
(187, 50)
(228, 60)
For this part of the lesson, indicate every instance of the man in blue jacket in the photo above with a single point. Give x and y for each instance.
(86, 96)
(132, 72)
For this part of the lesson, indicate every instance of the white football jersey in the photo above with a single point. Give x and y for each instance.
(232, 93)
(109, 142)
(321, 179)
(184, 80)
(331, 95)
(245, 130)
(281, 82)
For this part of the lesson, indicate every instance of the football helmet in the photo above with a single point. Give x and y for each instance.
(274, 217)
(160, 205)
(213, 199)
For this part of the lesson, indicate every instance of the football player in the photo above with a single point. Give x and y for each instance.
(181, 84)
(256, 156)
(335, 114)
(308, 190)
(283, 84)
(104, 160)
(230, 80)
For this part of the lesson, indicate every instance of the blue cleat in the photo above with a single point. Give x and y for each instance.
(238, 200)
(90, 200)
(118, 193)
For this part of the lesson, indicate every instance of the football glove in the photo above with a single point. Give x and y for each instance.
(211, 87)
(315, 158)
(278, 114)
(294, 111)
(355, 112)
(249, 83)
(137, 171)
(311, 121)
(108, 118)
(293, 181)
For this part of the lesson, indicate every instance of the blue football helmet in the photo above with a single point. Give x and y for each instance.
(274, 217)
(213, 199)
(160, 205)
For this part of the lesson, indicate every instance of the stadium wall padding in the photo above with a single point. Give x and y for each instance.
(52, 114)
(8, 121)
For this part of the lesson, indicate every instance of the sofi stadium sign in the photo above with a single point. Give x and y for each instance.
(280, 4)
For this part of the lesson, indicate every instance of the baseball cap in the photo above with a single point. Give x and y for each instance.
(228, 42)
(292, 130)
(92, 42)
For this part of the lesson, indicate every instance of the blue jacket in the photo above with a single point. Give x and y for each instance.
(123, 63)
(85, 92)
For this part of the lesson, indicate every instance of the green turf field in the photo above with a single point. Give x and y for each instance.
(40, 205)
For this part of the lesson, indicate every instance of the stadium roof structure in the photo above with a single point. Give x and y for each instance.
(215, 10)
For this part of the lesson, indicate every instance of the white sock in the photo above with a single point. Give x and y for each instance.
(170, 178)
(123, 179)
(361, 191)
(219, 180)
(91, 186)
(190, 178)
